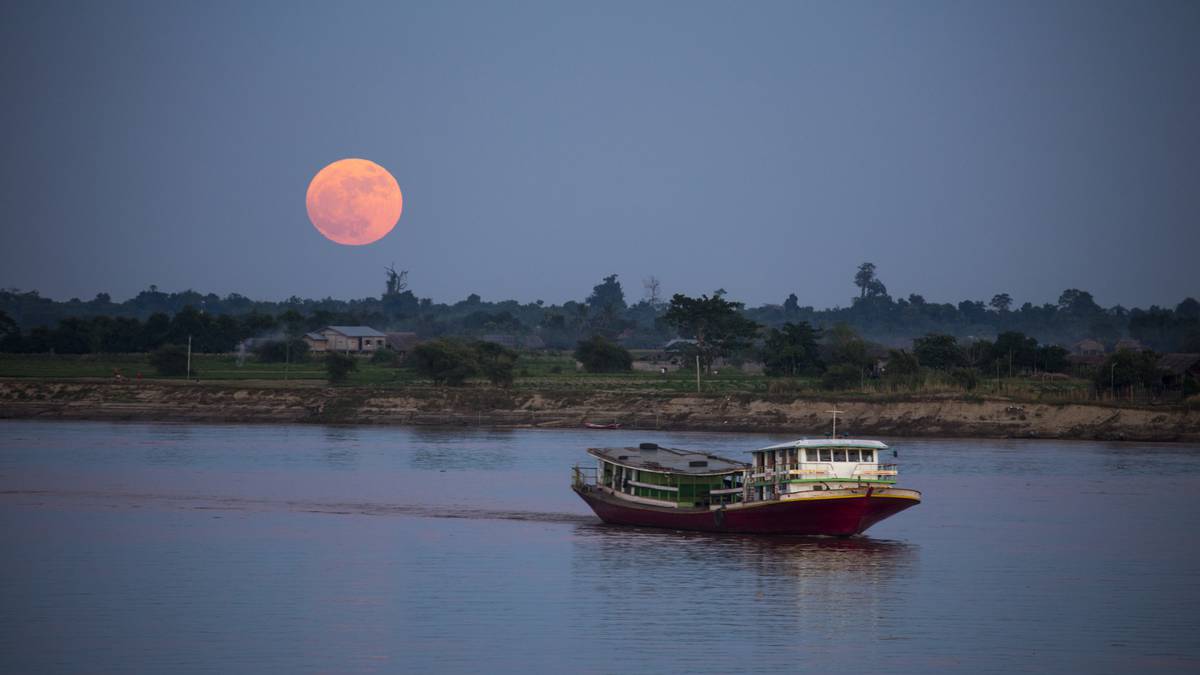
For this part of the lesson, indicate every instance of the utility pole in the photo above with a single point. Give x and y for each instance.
(189, 358)
(697, 373)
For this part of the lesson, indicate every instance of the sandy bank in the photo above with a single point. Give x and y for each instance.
(912, 416)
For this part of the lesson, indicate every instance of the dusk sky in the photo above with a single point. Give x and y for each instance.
(965, 148)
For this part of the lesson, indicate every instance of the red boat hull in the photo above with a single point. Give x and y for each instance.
(841, 513)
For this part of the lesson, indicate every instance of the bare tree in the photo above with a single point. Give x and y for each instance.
(397, 282)
(653, 290)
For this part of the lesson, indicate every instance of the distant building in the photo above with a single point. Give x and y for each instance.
(1130, 345)
(678, 344)
(509, 341)
(402, 343)
(1088, 347)
(1178, 367)
(353, 339)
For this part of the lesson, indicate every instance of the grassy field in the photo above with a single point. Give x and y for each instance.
(541, 372)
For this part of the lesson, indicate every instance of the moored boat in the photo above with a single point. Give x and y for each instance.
(833, 486)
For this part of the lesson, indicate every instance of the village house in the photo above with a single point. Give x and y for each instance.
(402, 343)
(1088, 347)
(1176, 368)
(1129, 344)
(352, 339)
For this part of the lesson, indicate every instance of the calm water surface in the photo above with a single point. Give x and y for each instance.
(173, 548)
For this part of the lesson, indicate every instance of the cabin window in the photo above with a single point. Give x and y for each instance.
(868, 455)
(826, 455)
(812, 455)
(852, 455)
(839, 455)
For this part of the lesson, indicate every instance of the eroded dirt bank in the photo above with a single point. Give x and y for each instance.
(928, 416)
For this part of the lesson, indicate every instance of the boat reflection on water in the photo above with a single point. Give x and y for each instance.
(792, 557)
(797, 597)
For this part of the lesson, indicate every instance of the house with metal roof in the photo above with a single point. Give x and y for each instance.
(351, 339)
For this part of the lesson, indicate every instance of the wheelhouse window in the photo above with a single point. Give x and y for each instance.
(826, 455)
(839, 455)
(852, 455)
(812, 455)
(868, 456)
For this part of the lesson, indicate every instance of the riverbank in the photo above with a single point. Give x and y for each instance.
(899, 416)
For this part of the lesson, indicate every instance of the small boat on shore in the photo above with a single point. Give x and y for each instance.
(593, 425)
(832, 486)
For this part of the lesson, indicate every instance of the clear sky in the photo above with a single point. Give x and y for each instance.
(966, 148)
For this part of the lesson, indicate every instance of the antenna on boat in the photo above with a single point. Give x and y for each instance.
(835, 413)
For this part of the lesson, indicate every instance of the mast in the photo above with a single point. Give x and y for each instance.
(835, 413)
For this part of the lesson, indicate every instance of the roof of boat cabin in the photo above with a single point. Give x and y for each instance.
(826, 443)
(668, 460)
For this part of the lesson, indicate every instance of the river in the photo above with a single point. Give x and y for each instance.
(208, 548)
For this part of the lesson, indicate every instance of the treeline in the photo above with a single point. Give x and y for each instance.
(144, 321)
(114, 335)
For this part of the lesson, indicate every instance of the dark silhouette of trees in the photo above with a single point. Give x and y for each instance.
(864, 278)
(716, 324)
(938, 351)
(170, 360)
(607, 296)
(444, 361)
(792, 350)
(599, 355)
(792, 304)
(339, 366)
(288, 350)
(496, 362)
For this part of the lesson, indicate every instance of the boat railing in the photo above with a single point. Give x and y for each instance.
(584, 476)
(864, 470)
(878, 470)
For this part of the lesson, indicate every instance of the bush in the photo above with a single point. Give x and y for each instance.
(170, 360)
(966, 378)
(1127, 368)
(784, 386)
(903, 370)
(496, 362)
(1191, 386)
(386, 357)
(842, 376)
(444, 361)
(339, 366)
(598, 355)
(282, 351)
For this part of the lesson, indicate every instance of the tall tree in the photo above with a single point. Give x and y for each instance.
(607, 294)
(847, 348)
(864, 278)
(792, 350)
(792, 304)
(716, 324)
(1001, 302)
(1075, 301)
(938, 351)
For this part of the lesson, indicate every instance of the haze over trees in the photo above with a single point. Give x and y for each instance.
(718, 325)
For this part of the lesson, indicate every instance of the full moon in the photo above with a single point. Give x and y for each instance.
(354, 202)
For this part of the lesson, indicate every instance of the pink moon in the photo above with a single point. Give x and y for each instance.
(354, 202)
